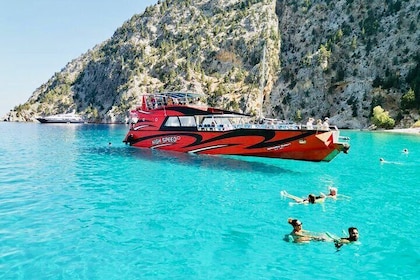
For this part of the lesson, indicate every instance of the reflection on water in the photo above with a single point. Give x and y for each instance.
(206, 161)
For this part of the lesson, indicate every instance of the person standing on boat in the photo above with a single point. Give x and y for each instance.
(318, 124)
(309, 124)
(154, 103)
(325, 124)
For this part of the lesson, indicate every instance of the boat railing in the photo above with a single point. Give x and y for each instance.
(218, 127)
(268, 126)
(289, 126)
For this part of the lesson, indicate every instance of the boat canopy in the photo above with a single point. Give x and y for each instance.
(179, 95)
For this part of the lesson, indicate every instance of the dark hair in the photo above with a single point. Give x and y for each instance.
(351, 238)
(294, 222)
(351, 229)
(311, 198)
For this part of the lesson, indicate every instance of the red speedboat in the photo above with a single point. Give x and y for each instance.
(177, 122)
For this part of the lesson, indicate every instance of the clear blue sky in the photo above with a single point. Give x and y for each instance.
(39, 37)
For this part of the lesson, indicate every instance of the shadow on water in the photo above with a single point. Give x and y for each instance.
(205, 161)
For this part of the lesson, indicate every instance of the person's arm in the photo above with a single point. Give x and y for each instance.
(310, 236)
(320, 200)
(341, 242)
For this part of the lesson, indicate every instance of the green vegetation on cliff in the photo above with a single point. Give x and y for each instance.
(323, 58)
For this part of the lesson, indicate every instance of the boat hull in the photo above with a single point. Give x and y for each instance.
(46, 120)
(309, 145)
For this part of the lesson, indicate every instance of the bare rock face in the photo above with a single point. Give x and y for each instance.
(282, 59)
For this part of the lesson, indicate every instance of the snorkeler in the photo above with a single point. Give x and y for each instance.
(353, 236)
(299, 235)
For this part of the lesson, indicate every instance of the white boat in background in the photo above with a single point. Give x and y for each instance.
(62, 118)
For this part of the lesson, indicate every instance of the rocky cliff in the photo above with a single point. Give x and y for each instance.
(308, 59)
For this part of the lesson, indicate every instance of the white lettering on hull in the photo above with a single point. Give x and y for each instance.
(166, 140)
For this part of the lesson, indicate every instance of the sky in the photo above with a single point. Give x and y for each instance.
(39, 37)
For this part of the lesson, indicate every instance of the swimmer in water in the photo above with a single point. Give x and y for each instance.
(405, 151)
(311, 199)
(353, 236)
(334, 194)
(299, 235)
(381, 160)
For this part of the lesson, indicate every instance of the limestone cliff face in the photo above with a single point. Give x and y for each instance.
(342, 58)
(294, 59)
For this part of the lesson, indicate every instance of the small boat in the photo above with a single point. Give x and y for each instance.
(178, 121)
(62, 118)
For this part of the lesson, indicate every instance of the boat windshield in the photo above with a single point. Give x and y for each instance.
(181, 121)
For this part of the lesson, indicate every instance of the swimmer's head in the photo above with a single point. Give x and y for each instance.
(353, 234)
(311, 198)
(294, 222)
(405, 151)
(333, 191)
(381, 159)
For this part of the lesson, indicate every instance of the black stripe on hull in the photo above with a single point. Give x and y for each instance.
(266, 134)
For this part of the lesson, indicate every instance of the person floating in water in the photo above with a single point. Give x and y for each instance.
(382, 160)
(299, 235)
(353, 237)
(334, 194)
(405, 151)
(311, 199)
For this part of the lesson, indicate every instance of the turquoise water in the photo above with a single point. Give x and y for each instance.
(74, 207)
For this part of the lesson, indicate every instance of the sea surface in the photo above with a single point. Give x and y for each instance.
(77, 203)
